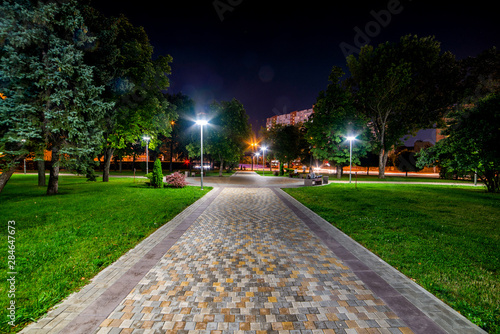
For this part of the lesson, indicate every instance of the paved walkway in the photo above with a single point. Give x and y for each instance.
(250, 260)
(247, 179)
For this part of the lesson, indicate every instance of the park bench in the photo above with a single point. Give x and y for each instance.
(312, 182)
(319, 180)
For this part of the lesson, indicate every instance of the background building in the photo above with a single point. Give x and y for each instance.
(292, 118)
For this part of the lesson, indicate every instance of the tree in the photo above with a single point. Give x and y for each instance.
(481, 75)
(406, 162)
(287, 143)
(133, 81)
(472, 143)
(18, 116)
(230, 128)
(48, 83)
(403, 87)
(334, 119)
(157, 180)
(181, 135)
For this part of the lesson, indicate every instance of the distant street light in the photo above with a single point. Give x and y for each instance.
(201, 123)
(264, 149)
(172, 123)
(350, 139)
(147, 139)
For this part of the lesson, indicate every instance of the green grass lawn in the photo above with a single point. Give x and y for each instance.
(389, 178)
(373, 177)
(447, 239)
(62, 241)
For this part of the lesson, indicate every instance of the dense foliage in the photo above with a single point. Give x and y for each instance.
(472, 144)
(401, 88)
(133, 81)
(286, 143)
(52, 101)
(228, 130)
(78, 84)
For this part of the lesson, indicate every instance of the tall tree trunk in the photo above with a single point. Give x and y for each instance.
(491, 180)
(108, 154)
(41, 172)
(382, 161)
(339, 171)
(6, 174)
(53, 186)
(221, 166)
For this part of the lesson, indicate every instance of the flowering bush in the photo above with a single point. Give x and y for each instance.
(176, 180)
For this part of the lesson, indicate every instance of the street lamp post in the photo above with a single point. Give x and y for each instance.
(264, 149)
(172, 123)
(147, 139)
(201, 123)
(253, 154)
(257, 154)
(350, 139)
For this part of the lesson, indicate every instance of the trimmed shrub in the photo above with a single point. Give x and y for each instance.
(157, 180)
(176, 180)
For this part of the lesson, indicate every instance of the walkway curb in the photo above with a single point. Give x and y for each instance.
(76, 314)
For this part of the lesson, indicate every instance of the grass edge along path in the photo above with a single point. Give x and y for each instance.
(62, 241)
(447, 239)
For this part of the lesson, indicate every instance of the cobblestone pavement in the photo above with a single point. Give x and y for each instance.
(247, 179)
(249, 264)
(250, 260)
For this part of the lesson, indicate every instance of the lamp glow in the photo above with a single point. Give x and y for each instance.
(264, 149)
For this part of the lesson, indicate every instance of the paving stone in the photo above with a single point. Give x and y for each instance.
(249, 264)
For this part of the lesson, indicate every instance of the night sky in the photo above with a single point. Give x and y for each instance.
(276, 58)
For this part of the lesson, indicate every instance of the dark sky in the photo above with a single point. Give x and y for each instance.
(275, 56)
